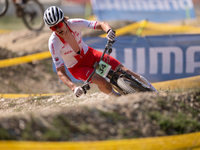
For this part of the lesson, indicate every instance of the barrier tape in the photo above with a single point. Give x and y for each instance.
(184, 141)
(153, 28)
(24, 59)
(185, 83)
(126, 29)
(26, 95)
(4, 31)
(141, 28)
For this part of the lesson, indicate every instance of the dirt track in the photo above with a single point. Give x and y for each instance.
(92, 117)
(97, 117)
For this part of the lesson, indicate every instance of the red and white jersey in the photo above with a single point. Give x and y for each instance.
(61, 51)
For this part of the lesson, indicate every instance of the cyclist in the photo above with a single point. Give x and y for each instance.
(68, 48)
(18, 3)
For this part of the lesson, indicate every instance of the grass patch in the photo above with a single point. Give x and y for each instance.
(11, 23)
(111, 116)
(51, 135)
(18, 109)
(179, 123)
(12, 104)
(4, 135)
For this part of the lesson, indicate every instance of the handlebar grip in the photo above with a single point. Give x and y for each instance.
(85, 91)
(85, 88)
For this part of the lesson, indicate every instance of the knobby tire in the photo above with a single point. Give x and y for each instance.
(131, 86)
(4, 7)
(27, 22)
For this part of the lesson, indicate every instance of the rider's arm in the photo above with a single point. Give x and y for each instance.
(106, 27)
(103, 26)
(82, 23)
(65, 78)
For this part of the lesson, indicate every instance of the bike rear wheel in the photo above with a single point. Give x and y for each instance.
(33, 15)
(131, 85)
(3, 7)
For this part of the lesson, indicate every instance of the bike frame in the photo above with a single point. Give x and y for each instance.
(112, 75)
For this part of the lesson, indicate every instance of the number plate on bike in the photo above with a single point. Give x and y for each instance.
(103, 69)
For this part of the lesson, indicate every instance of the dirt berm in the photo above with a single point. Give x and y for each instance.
(94, 116)
(65, 118)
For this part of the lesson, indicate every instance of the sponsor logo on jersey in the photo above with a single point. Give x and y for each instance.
(87, 73)
(56, 59)
(57, 63)
(77, 21)
(92, 24)
(70, 51)
(76, 33)
(79, 42)
(53, 51)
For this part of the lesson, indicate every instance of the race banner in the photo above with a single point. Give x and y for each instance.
(157, 58)
(136, 10)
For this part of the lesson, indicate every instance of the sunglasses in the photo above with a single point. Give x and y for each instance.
(59, 25)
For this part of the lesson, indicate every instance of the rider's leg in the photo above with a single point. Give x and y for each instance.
(137, 76)
(82, 73)
(103, 85)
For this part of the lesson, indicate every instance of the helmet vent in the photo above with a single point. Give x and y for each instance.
(53, 15)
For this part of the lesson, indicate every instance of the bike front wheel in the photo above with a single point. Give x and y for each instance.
(3, 7)
(131, 85)
(33, 15)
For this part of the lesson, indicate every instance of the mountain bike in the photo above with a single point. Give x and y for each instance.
(31, 12)
(121, 81)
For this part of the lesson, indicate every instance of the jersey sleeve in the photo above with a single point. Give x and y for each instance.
(82, 23)
(57, 59)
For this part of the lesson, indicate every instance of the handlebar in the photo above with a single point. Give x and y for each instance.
(108, 48)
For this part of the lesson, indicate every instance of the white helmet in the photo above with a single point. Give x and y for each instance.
(53, 15)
